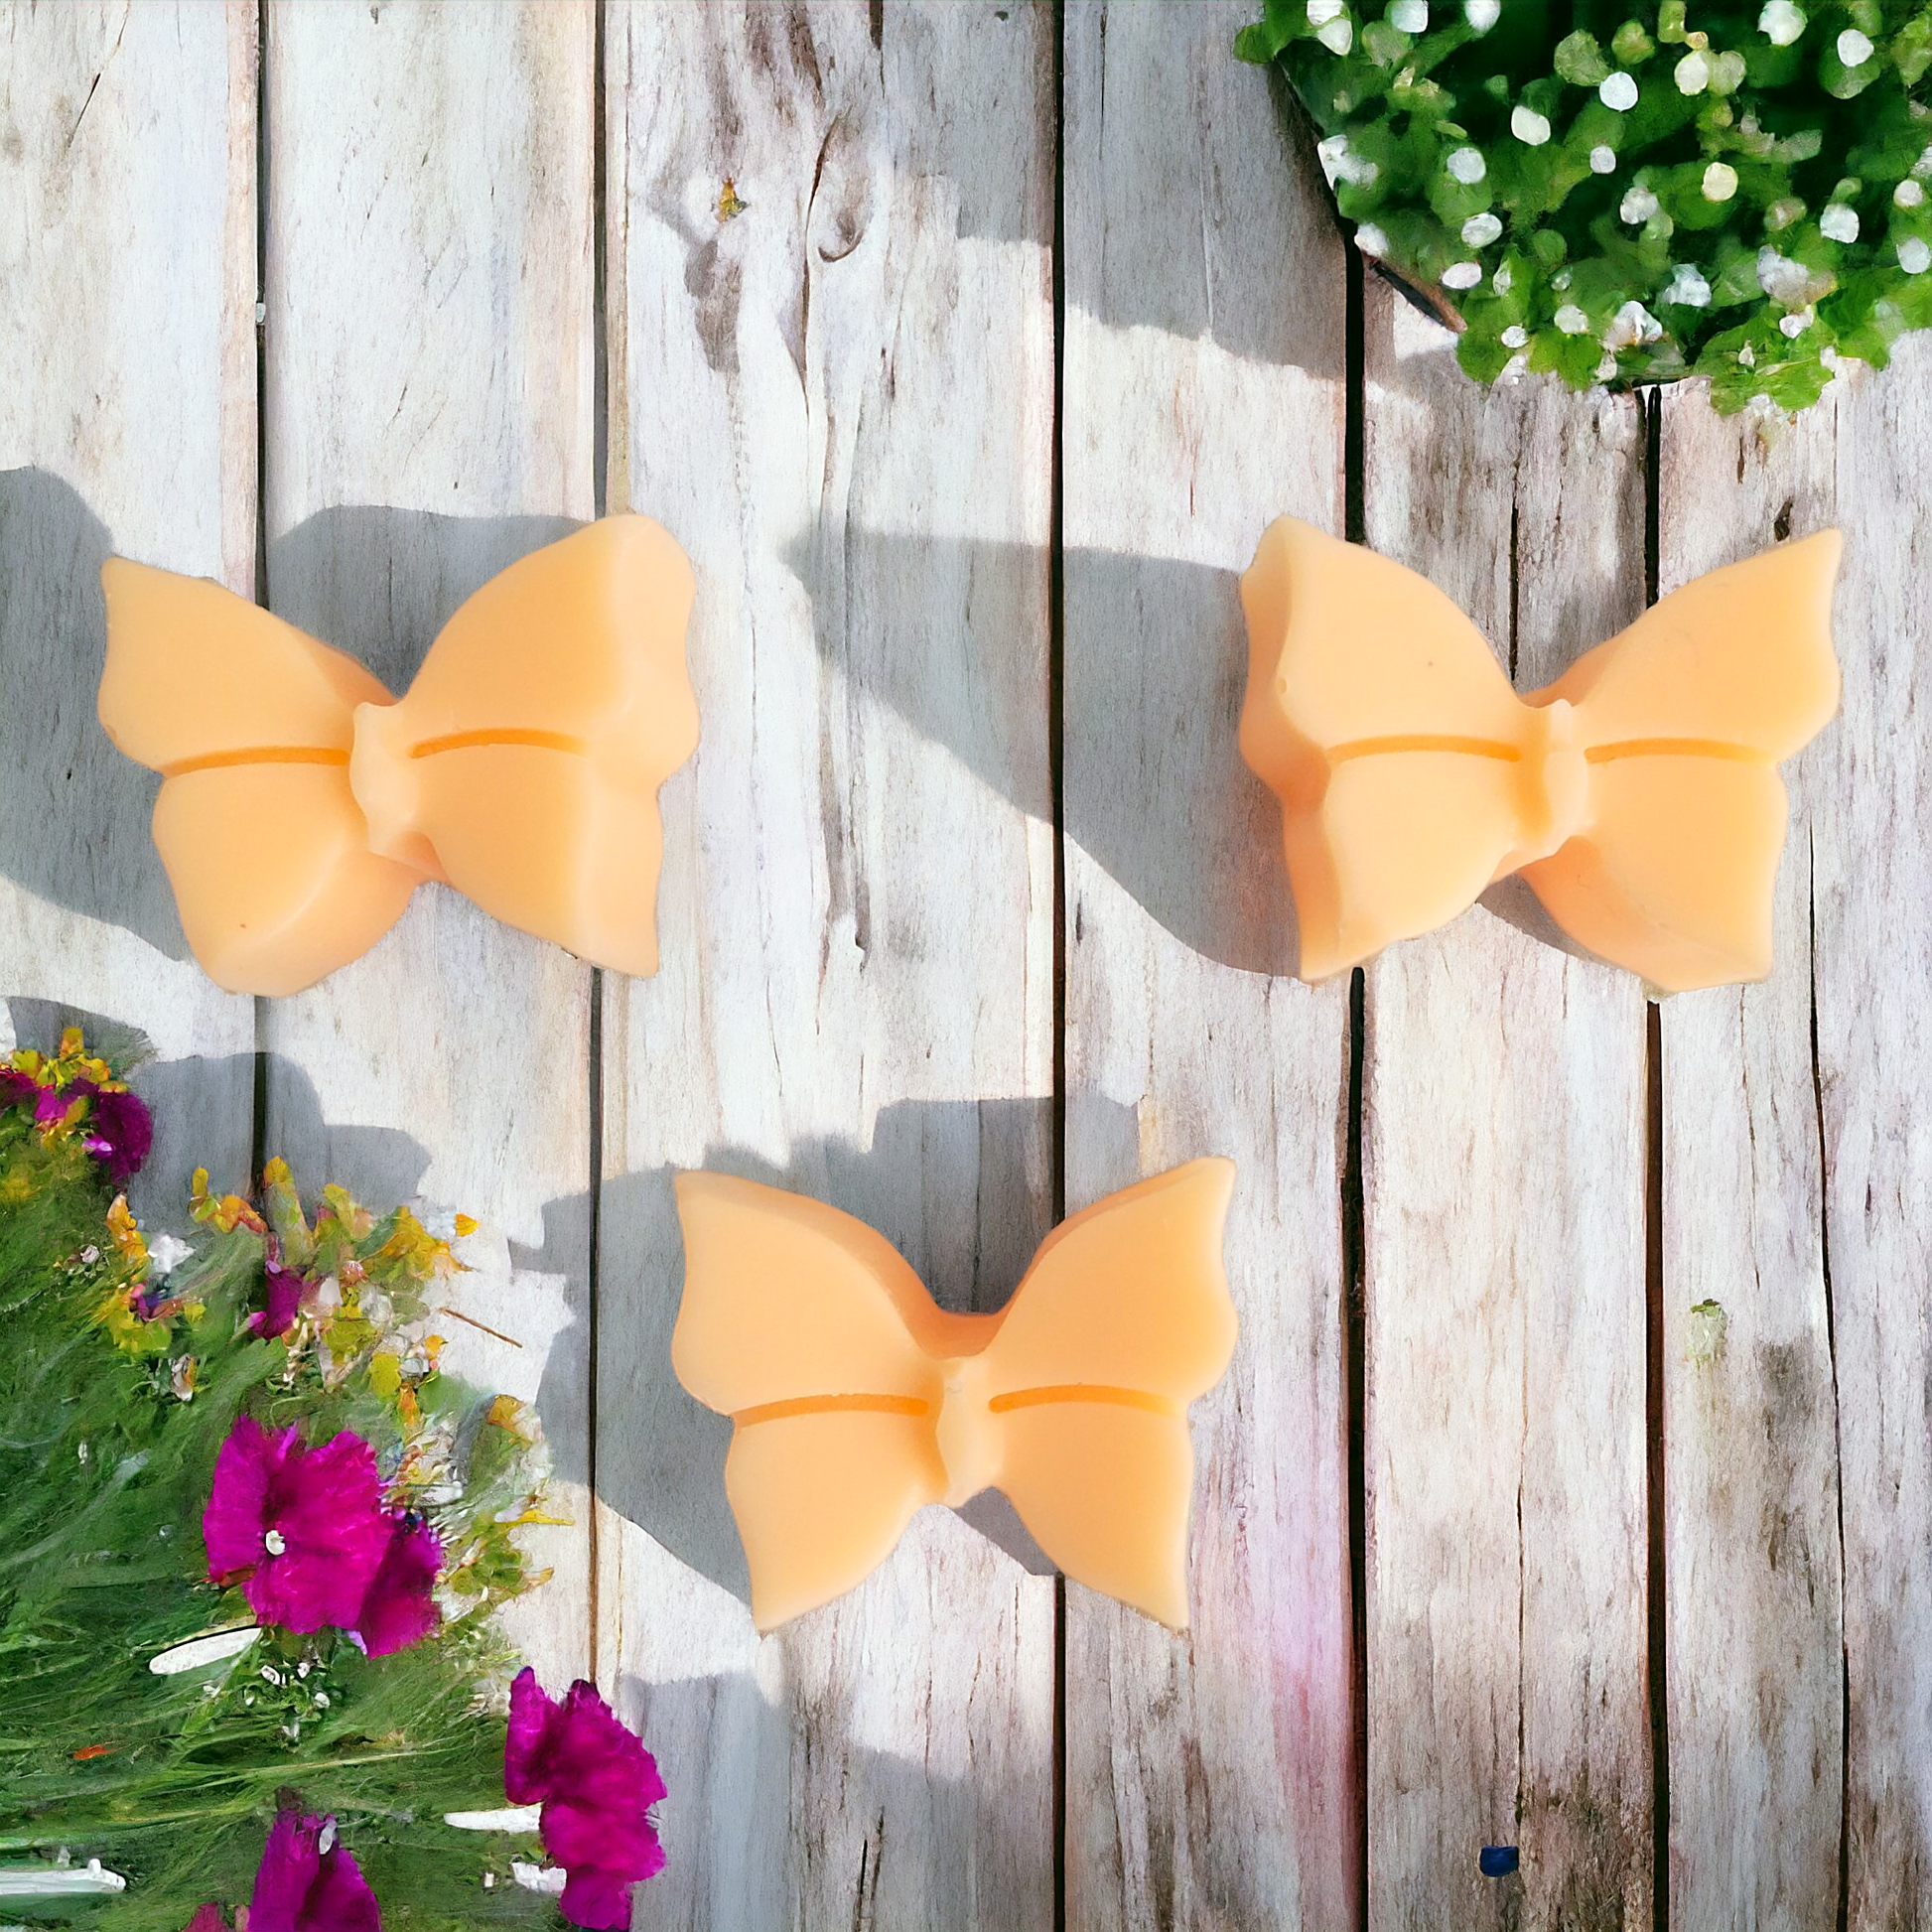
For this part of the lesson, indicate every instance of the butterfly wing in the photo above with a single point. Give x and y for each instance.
(1685, 716)
(1123, 1319)
(530, 748)
(1380, 717)
(250, 724)
(794, 1323)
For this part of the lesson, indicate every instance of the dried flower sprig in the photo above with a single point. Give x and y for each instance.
(1631, 194)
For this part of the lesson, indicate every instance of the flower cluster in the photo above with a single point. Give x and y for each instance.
(1740, 191)
(75, 1097)
(263, 1533)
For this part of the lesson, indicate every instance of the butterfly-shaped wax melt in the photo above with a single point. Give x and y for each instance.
(1638, 795)
(857, 1401)
(302, 804)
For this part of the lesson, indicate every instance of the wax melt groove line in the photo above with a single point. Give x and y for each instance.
(1085, 1392)
(258, 754)
(1375, 748)
(474, 740)
(1675, 748)
(832, 1405)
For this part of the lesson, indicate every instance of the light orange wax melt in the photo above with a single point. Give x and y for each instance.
(856, 1401)
(1638, 794)
(303, 804)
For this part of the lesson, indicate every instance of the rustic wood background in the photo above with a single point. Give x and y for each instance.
(968, 349)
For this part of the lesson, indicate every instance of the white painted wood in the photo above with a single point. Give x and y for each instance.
(833, 381)
(1752, 1557)
(1209, 1777)
(429, 415)
(127, 423)
(1871, 830)
(1503, 1166)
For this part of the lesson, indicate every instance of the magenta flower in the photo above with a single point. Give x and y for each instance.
(18, 1089)
(305, 1527)
(119, 1133)
(597, 1784)
(285, 1288)
(308, 1882)
(400, 1607)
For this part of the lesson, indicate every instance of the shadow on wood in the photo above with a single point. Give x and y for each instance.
(73, 813)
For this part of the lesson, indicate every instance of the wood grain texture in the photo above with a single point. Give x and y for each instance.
(127, 423)
(1752, 1556)
(1209, 1777)
(1866, 785)
(833, 381)
(1503, 1152)
(429, 420)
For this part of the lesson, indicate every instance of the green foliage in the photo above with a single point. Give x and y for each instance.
(1630, 193)
(117, 1389)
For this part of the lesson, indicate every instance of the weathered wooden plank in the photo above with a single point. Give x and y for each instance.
(429, 416)
(1210, 1778)
(1503, 1168)
(1751, 1553)
(831, 372)
(127, 423)
(1866, 785)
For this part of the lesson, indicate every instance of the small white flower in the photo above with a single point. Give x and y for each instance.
(1782, 279)
(1786, 210)
(1719, 182)
(1633, 324)
(1331, 153)
(1338, 36)
(1793, 326)
(1618, 90)
(322, 1700)
(1693, 73)
(1603, 160)
(1909, 194)
(1410, 16)
(1502, 281)
(275, 1543)
(1747, 355)
(1606, 368)
(1915, 254)
(1838, 223)
(90, 1255)
(1517, 365)
(1515, 335)
(1321, 12)
(1465, 165)
(1780, 23)
(1479, 230)
(1688, 287)
(1529, 127)
(1482, 14)
(1854, 48)
(270, 1675)
(540, 1877)
(1572, 320)
(166, 1253)
(1637, 205)
(1922, 167)
(1371, 240)
(1461, 275)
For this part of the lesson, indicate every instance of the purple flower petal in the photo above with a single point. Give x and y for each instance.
(120, 1133)
(305, 1526)
(300, 1887)
(285, 1288)
(51, 1104)
(208, 1919)
(595, 1783)
(400, 1608)
(18, 1089)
